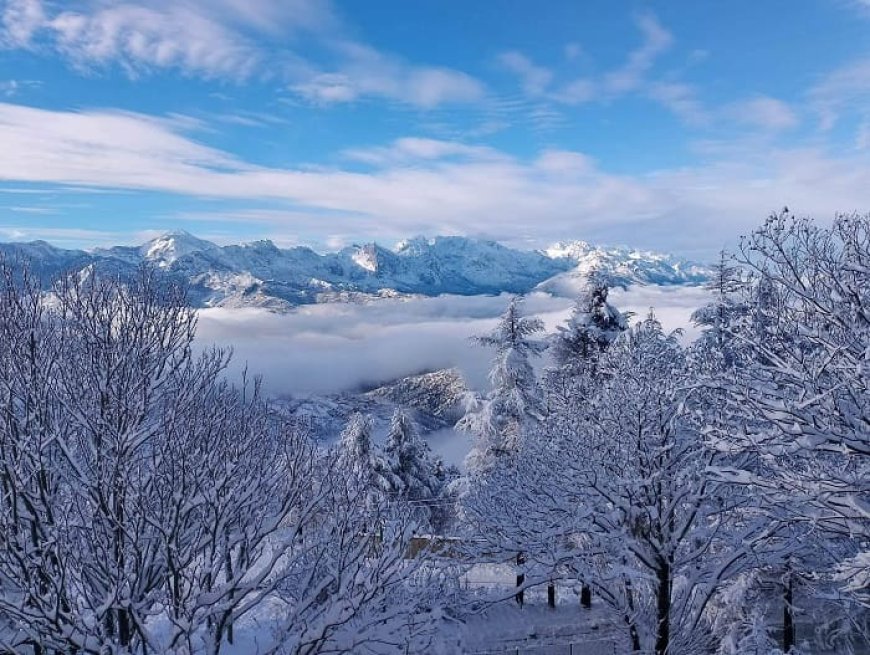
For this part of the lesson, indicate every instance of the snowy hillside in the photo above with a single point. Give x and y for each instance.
(263, 275)
(625, 266)
(434, 399)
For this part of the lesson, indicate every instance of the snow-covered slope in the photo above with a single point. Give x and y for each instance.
(624, 266)
(434, 399)
(261, 274)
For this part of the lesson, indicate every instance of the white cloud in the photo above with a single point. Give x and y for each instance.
(414, 149)
(764, 112)
(630, 77)
(323, 349)
(441, 187)
(233, 39)
(137, 38)
(841, 91)
(577, 92)
(60, 235)
(363, 71)
(535, 79)
(9, 88)
(337, 347)
(682, 100)
(656, 41)
(20, 20)
(195, 37)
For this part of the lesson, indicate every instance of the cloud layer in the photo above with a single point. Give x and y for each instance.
(425, 185)
(230, 39)
(339, 347)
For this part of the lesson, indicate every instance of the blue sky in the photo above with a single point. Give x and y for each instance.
(672, 125)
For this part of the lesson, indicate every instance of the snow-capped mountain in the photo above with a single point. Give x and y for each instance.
(261, 274)
(624, 266)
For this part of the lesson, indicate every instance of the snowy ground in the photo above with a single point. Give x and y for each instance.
(533, 629)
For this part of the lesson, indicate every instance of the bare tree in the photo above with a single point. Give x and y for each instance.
(148, 505)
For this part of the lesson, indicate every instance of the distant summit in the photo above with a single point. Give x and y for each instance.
(261, 274)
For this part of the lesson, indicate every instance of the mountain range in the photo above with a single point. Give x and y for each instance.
(261, 274)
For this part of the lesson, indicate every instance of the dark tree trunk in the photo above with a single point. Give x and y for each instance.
(629, 618)
(585, 596)
(521, 578)
(663, 609)
(228, 571)
(125, 633)
(551, 596)
(788, 627)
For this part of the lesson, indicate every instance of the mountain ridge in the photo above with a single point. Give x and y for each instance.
(259, 273)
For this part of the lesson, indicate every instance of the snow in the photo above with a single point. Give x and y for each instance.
(702, 499)
(168, 248)
(261, 274)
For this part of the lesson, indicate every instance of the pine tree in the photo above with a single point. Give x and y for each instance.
(409, 459)
(593, 325)
(577, 347)
(717, 317)
(357, 455)
(514, 402)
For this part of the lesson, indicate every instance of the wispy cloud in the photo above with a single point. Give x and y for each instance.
(363, 71)
(535, 79)
(416, 149)
(681, 99)
(62, 236)
(539, 82)
(630, 76)
(230, 39)
(636, 77)
(424, 185)
(841, 91)
(20, 20)
(655, 42)
(9, 88)
(136, 37)
(764, 112)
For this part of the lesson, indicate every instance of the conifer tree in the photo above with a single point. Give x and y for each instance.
(514, 403)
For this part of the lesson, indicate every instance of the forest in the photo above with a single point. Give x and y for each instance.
(710, 497)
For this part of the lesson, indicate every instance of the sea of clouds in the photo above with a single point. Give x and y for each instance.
(330, 348)
(343, 346)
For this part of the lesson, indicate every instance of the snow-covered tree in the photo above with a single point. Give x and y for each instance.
(409, 459)
(147, 505)
(619, 495)
(351, 586)
(360, 458)
(717, 317)
(592, 326)
(499, 421)
(655, 514)
(804, 398)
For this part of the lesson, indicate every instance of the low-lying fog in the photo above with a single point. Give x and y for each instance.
(341, 346)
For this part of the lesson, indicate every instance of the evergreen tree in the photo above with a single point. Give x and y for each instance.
(717, 317)
(409, 460)
(357, 455)
(514, 402)
(593, 325)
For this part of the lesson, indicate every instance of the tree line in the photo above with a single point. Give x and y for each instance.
(696, 489)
